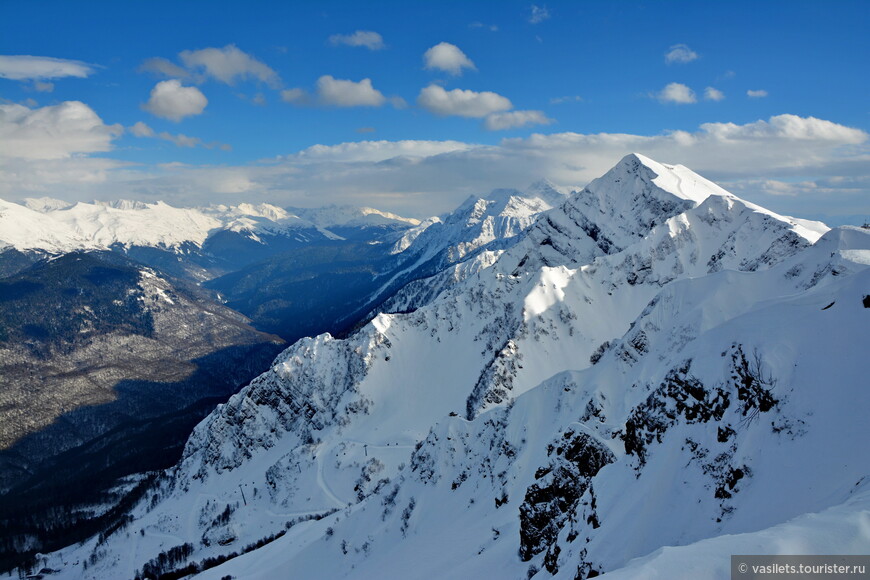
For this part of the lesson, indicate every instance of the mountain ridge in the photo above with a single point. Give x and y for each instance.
(519, 420)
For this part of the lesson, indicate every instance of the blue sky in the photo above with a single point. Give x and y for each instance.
(199, 102)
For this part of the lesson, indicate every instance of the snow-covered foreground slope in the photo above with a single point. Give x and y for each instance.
(654, 364)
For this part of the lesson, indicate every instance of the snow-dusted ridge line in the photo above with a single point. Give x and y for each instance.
(653, 363)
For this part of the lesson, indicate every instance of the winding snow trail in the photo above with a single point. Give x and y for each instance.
(321, 481)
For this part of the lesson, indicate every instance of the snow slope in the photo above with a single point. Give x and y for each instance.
(654, 373)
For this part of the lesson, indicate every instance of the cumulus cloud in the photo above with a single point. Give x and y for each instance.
(228, 65)
(163, 67)
(367, 38)
(538, 14)
(333, 92)
(448, 58)
(462, 103)
(344, 93)
(26, 67)
(140, 129)
(43, 87)
(681, 54)
(53, 132)
(170, 100)
(513, 119)
(759, 94)
(712, 94)
(677, 93)
(789, 127)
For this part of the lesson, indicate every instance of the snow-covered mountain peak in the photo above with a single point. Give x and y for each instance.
(676, 179)
(637, 192)
(265, 210)
(548, 191)
(45, 204)
(478, 221)
(120, 204)
(349, 215)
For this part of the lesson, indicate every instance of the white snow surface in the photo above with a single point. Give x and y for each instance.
(683, 371)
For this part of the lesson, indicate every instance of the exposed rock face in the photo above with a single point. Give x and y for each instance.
(552, 502)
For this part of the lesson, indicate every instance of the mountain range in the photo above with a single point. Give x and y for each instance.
(638, 379)
(118, 340)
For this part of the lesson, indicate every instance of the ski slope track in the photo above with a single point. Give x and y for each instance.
(655, 375)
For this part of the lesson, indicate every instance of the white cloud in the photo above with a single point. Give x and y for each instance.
(228, 65)
(295, 96)
(26, 67)
(140, 129)
(170, 100)
(566, 99)
(447, 57)
(180, 140)
(677, 93)
(490, 27)
(343, 93)
(42, 87)
(367, 38)
(756, 94)
(72, 178)
(513, 119)
(538, 14)
(422, 178)
(681, 54)
(374, 151)
(462, 103)
(712, 94)
(790, 127)
(825, 163)
(163, 67)
(398, 102)
(53, 132)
